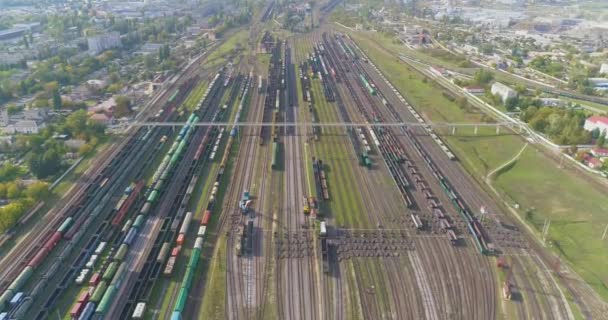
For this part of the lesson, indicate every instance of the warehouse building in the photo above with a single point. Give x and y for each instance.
(503, 91)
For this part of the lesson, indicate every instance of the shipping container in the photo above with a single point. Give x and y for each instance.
(186, 222)
(140, 310)
(180, 239)
(201, 231)
(16, 299)
(169, 267)
(163, 252)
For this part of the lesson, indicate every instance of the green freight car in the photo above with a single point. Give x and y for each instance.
(65, 225)
(139, 220)
(99, 291)
(173, 96)
(275, 155)
(121, 253)
(365, 160)
(369, 87)
(153, 196)
(110, 271)
(106, 301)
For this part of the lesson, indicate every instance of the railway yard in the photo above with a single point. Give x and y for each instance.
(281, 221)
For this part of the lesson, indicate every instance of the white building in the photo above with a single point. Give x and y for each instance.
(503, 91)
(604, 69)
(100, 43)
(24, 127)
(598, 122)
(4, 119)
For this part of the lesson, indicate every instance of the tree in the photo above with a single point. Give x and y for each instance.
(46, 164)
(511, 103)
(483, 77)
(595, 133)
(601, 140)
(56, 100)
(13, 191)
(123, 106)
(38, 190)
(76, 123)
(2, 191)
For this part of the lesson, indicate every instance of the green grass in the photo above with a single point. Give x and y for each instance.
(345, 203)
(226, 49)
(215, 288)
(587, 103)
(576, 207)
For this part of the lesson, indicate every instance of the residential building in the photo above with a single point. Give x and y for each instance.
(599, 152)
(552, 102)
(102, 118)
(4, 119)
(107, 107)
(503, 91)
(36, 114)
(439, 71)
(475, 90)
(604, 69)
(592, 162)
(599, 83)
(12, 33)
(24, 127)
(100, 43)
(599, 122)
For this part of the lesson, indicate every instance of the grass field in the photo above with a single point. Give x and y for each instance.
(576, 207)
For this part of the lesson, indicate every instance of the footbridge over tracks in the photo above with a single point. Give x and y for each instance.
(440, 127)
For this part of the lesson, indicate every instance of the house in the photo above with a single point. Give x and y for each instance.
(106, 107)
(24, 127)
(503, 91)
(475, 90)
(102, 118)
(36, 114)
(592, 162)
(596, 122)
(599, 152)
(439, 71)
(604, 69)
(552, 102)
(4, 119)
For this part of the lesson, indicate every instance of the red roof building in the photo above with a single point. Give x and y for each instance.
(592, 162)
(599, 122)
(599, 152)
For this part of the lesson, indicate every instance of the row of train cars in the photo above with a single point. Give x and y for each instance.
(480, 238)
(112, 268)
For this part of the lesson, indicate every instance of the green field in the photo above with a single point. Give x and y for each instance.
(575, 206)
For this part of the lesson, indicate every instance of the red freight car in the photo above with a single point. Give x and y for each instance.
(206, 217)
